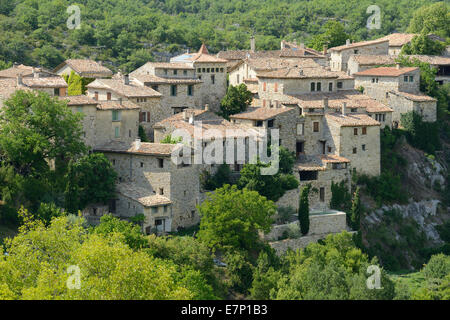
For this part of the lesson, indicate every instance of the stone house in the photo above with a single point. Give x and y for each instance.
(151, 183)
(399, 89)
(361, 62)
(84, 68)
(106, 121)
(177, 83)
(120, 88)
(212, 71)
(339, 56)
(24, 71)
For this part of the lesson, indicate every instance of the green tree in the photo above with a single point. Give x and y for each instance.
(237, 99)
(303, 211)
(423, 45)
(231, 218)
(91, 179)
(340, 196)
(333, 35)
(142, 134)
(36, 129)
(356, 211)
(171, 140)
(433, 18)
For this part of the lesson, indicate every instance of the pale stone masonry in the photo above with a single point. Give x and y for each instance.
(398, 88)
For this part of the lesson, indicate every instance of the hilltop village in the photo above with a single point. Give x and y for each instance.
(329, 108)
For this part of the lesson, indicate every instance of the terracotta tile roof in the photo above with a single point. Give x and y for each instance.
(433, 60)
(158, 80)
(284, 53)
(359, 44)
(79, 100)
(270, 64)
(142, 195)
(45, 82)
(209, 121)
(353, 99)
(351, 119)
(398, 39)
(419, 97)
(201, 56)
(260, 113)
(298, 73)
(151, 149)
(116, 105)
(303, 49)
(23, 70)
(385, 71)
(130, 91)
(331, 158)
(85, 67)
(369, 60)
(168, 65)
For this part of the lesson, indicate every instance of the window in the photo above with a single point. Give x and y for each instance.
(330, 86)
(387, 95)
(161, 191)
(308, 175)
(208, 70)
(363, 147)
(339, 85)
(270, 123)
(264, 86)
(354, 110)
(190, 90)
(411, 78)
(355, 131)
(108, 96)
(155, 87)
(114, 162)
(354, 150)
(313, 86)
(166, 208)
(129, 133)
(157, 222)
(264, 103)
(117, 132)
(213, 79)
(319, 86)
(355, 51)
(173, 90)
(364, 131)
(329, 149)
(221, 70)
(376, 80)
(160, 163)
(275, 87)
(165, 72)
(185, 72)
(199, 70)
(56, 92)
(405, 78)
(204, 70)
(80, 109)
(316, 126)
(258, 123)
(142, 164)
(175, 72)
(96, 95)
(322, 194)
(237, 78)
(115, 115)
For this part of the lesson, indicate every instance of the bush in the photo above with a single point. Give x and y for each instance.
(438, 267)
(239, 271)
(285, 214)
(218, 180)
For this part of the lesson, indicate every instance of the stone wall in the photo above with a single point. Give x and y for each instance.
(402, 105)
(339, 59)
(212, 93)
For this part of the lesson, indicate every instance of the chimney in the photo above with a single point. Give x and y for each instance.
(206, 107)
(325, 49)
(283, 44)
(397, 66)
(120, 101)
(15, 65)
(185, 115)
(100, 63)
(347, 43)
(302, 45)
(252, 44)
(191, 118)
(126, 79)
(325, 105)
(19, 80)
(344, 108)
(138, 144)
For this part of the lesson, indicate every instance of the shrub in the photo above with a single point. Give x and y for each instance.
(438, 267)
(285, 214)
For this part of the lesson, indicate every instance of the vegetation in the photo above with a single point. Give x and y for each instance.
(303, 211)
(237, 99)
(356, 211)
(127, 33)
(142, 135)
(420, 134)
(218, 180)
(171, 140)
(422, 44)
(231, 219)
(273, 187)
(333, 35)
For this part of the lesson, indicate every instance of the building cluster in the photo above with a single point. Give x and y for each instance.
(328, 106)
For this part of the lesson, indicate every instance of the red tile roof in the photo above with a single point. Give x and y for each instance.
(359, 44)
(386, 71)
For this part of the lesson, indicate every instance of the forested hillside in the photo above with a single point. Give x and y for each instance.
(128, 32)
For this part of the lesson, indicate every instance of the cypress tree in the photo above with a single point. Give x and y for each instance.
(303, 211)
(356, 211)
